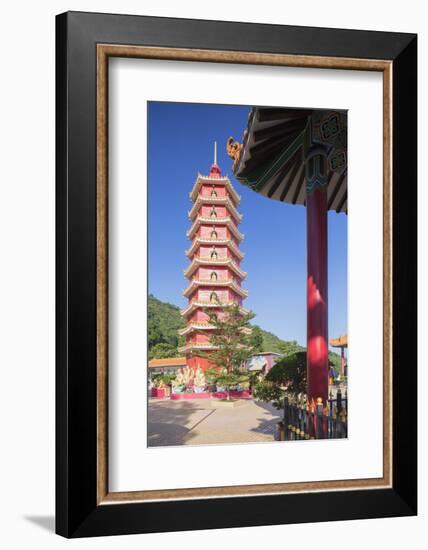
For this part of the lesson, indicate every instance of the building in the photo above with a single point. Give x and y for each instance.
(342, 343)
(263, 361)
(168, 365)
(214, 273)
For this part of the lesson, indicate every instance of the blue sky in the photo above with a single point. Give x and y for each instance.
(180, 144)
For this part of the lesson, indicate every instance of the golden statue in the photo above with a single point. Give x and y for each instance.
(233, 149)
(199, 379)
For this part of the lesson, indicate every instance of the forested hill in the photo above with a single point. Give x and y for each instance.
(164, 320)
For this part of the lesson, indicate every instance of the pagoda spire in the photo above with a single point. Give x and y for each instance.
(215, 171)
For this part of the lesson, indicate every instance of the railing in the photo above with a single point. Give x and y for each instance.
(315, 420)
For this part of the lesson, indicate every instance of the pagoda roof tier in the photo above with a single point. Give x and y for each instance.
(227, 262)
(192, 327)
(222, 201)
(196, 347)
(341, 342)
(190, 308)
(228, 222)
(195, 326)
(215, 242)
(213, 180)
(230, 283)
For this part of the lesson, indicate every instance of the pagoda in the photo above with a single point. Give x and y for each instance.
(214, 274)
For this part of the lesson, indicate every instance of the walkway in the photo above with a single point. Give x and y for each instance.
(200, 423)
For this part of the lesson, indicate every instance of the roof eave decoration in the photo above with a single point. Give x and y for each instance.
(196, 347)
(188, 310)
(215, 242)
(341, 342)
(221, 201)
(217, 284)
(271, 158)
(195, 327)
(228, 222)
(197, 261)
(200, 179)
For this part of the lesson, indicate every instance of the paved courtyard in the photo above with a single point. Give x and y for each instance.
(197, 422)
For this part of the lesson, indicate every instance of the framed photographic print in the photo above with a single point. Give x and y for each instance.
(236, 274)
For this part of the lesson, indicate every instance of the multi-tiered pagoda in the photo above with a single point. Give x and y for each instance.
(214, 273)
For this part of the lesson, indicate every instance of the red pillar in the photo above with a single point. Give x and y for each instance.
(317, 299)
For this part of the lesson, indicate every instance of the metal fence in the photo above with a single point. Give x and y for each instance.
(315, 420)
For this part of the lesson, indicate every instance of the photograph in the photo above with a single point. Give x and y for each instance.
(213, 255)
(247, 317)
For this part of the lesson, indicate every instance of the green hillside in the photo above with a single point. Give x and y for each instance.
(164, 320)
(271, 342)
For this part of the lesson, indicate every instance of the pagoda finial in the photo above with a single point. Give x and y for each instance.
(215, 170)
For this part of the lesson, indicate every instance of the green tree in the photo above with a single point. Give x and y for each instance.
(233, 346)
(290, 347)
(163, 322)
(154, 334)
(257, 339)
(225, 379)
(231, 339)
(268, 391)
(288, 374)
(162, 350)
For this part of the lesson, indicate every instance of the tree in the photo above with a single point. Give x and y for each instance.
(226, 379)
(233, 346)
(268, 391)
(287, 375)
(290, 347)
(231, 338)
(290, 372)
(257, 339)
(163, 322)
(154, 335)
(162, 350)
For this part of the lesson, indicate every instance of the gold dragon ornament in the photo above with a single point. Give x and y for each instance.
(233, 149)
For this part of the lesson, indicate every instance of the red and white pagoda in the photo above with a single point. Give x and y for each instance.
(214, 273)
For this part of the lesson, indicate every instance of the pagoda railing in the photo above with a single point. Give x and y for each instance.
(315, 420)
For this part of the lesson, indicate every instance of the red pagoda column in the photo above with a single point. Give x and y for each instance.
(317, 278)
(214, 272)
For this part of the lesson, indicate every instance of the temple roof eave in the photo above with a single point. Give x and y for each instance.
(200, 179)
(340, 342)
(196, 347)
(228, 222)
(192, 327)
(215, 284)
(197, 262)
(199, 304)
(221, 201)
(282, 177)
(215, 242)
